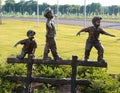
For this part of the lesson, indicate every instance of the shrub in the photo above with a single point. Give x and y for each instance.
(100, 79)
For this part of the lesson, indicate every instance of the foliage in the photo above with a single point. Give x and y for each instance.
(5, 70)
(53, 71)
(100, 79)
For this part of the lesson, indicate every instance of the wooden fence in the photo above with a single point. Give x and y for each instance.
(73, 81)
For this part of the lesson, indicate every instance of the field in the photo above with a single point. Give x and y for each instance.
(68, 43)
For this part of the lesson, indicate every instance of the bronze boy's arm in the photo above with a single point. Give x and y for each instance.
(19, 42)
(83, 30)
(108, 33)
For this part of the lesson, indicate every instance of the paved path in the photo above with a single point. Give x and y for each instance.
(104, 24)
(80, 22)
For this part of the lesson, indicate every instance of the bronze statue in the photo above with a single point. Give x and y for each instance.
(93, 39)
(50, 36)
(29, 45)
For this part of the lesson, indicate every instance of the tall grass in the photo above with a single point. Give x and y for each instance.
(68, 44)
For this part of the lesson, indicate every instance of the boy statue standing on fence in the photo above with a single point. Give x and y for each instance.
(29, 45)
(50, 36)
(93, 39)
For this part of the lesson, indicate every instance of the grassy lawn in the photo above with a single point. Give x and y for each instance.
(68, 44)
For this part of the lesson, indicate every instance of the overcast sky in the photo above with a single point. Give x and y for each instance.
(78, 2)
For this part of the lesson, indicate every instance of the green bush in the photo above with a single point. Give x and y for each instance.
(101, 81)
(5, 70)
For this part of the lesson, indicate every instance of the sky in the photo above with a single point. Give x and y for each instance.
(78, 2)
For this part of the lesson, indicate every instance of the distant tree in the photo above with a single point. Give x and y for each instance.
(19, 7)
(0, 11)
(65, 8)
(113, 10)
(106, 10)
(88, 9)
(82, 9)
(9, 5)
(31, 6)
(96, 8)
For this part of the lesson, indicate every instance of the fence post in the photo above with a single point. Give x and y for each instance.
(29, 74)
(73, 76)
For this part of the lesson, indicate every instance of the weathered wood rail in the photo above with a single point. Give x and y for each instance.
(61, 62)
(53, 81)
(73, 81)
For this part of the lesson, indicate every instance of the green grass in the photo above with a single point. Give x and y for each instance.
(68, 44)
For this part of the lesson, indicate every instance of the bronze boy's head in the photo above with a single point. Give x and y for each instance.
(48, 13)
(30, 34)
(96, 21)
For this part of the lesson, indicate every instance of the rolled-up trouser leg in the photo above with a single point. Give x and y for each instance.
(100, 54)
(53, 48)
(46, 51)
(87, 54)
(55, 54)
(88, 48)
(100, 49)
(22, 55)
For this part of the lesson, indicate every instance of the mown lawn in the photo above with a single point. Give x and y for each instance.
(68, 44)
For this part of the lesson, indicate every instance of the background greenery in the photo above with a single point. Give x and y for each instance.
(68, 44)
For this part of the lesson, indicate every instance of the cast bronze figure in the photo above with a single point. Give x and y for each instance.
(29, 45)
(50, 36)
(93, 39)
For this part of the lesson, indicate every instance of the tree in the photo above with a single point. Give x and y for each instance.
(9, 5)
(0, 11)
(96, 8)
(113, 10)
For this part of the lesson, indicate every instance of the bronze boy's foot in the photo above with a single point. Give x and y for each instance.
(18, 57)
(47, 58)
(101, 61)
(58, 59)
(85, 60)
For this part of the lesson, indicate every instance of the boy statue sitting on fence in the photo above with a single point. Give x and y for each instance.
(29, 45)
(50, 36)
(93, 39)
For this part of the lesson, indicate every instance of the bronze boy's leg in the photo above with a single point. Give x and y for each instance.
(46, 51)
(100, 49)
(88, 48)
(52, 45)
(22, 55)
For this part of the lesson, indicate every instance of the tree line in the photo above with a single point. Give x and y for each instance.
(30, 8)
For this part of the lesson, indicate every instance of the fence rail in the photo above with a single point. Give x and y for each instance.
(53, 81)
(61, 62)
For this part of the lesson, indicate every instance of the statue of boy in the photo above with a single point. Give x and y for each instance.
(29, 45)
(93, 39)
(50, 36)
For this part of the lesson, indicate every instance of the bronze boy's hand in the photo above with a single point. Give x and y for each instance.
(112, 35)
(15, 45)
(78, 34)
